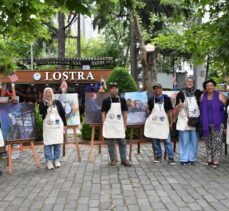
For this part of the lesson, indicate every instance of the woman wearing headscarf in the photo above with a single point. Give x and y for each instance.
(212, 109)
(54, 125)
(187, 102)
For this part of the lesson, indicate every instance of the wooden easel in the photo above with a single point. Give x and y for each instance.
(92, 142)
(75, 140)
(140, 137)
(29, 145)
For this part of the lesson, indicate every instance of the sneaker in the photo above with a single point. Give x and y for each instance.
(57, 163)
(126, 163)
(171, 161)
(192, 163)
(113, 163)
(157, 160)
(184, 163)
(50, 165)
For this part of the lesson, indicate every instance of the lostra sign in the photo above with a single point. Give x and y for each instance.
(52, 76)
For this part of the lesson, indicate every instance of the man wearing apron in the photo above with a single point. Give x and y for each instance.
(54, 124)
(114, 117)
(157, 124)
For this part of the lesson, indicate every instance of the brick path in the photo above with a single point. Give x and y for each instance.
(96, 186)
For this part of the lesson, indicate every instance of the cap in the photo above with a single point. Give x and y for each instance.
(113, 84)
(157, 85)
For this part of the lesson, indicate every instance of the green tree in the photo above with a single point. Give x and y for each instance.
(124, 80)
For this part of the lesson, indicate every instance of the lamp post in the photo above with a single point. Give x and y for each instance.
(140, 82)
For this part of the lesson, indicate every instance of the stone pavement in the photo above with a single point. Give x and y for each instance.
(96, 186)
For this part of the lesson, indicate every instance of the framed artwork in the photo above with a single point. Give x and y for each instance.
(18, 121)
(136, 102)
(93, 104)
(71, 105)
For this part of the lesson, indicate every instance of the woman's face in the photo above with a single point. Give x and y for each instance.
(189, 83)
(210, 87)
(48, 94)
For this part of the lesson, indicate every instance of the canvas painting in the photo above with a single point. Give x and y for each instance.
(136, 102)
(71, 105)
(18, 121)
(93, 104)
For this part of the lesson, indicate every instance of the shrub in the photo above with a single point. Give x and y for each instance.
(124, 80)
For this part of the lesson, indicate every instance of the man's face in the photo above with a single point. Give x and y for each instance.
(157, 91)
(114, 91)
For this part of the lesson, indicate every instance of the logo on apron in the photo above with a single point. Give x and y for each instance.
(57, 121)
(162, 118)
(154, 118)
(111, 116)
(119, 116)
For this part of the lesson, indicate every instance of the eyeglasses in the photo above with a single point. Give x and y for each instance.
(113, 83)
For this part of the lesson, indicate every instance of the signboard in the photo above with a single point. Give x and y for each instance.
(53, 76)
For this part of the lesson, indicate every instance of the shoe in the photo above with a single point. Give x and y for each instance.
(157, 160)
(0, 173)
(171, 161)
(215, 165)
(184, 163)
(57, 163)
(192, 163)
(113, 163)
(4, 155)
(208, 163)
(126, 163)
(50, 165)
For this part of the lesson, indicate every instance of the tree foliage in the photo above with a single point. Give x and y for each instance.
(124, 80)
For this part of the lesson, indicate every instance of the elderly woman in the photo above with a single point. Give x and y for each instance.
(54, 124)
(187, 102)
(212, 117)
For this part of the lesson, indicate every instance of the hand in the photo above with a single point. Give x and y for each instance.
(180, 105)
(65, 129)
(225, 131)
(49, 103)
(171, 125)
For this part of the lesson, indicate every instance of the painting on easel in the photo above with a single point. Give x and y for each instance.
(18, 121)
(71, 106)
(93, 104)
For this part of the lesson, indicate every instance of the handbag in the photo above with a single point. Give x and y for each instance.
(193, 121)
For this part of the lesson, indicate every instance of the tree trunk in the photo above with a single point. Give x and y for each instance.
(61, 37)
(133, 52)
(207, 67)
(78, 37)
(148, 60)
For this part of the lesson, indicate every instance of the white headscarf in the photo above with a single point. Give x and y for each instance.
(48, 89)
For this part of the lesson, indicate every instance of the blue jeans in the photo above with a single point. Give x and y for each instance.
(112, 150)
(167, 144)
(49, 154)
(188, 144)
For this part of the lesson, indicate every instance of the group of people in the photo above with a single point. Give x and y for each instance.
(208, 108)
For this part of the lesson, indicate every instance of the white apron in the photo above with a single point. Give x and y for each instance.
(113, 126)
(157, 124)
(227, 124)
(1, 139)
(190, 109)
(53, 127)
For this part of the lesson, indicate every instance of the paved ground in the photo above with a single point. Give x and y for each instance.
(96, 186)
